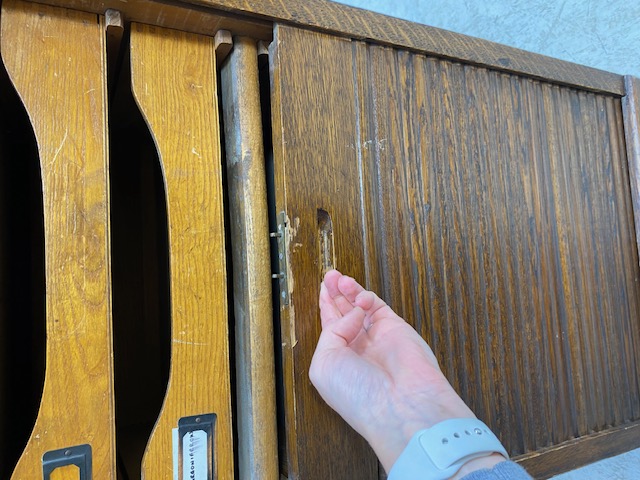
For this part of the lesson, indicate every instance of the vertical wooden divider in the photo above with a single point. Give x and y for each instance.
(631, 113)
(56, 60)
(255, 370)
(174, 83)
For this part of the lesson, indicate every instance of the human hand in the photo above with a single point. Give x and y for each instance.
(374, 369)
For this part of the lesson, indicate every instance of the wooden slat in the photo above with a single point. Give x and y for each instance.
(174, 83)
(55, 59)
(223, 41)
(495, 215)
(316, 170)
(249, 230)
(631, 113)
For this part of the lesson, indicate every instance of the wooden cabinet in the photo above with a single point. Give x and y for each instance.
(490, 196)
(493, 213)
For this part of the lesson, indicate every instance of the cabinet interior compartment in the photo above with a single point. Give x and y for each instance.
(22, 292)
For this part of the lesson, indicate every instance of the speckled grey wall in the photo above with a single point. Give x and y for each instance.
(603, 34)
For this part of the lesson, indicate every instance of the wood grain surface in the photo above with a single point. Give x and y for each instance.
(55, 59)
(188, 18)
(247, 17)
(249, 237)
(631, 113)
(490, 210)
(578, 452)
(350, 22)
(174, 83)
(313, 116)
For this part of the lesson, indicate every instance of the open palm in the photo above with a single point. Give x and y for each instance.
(376, 371)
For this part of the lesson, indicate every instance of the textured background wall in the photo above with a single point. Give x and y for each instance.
(603, 34)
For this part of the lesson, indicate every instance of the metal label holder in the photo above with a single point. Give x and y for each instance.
(80, 456)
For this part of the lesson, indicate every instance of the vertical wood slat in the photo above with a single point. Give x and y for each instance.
(316, 170)
(174, 83)
(249, 231)
(56, 60)
(631, 113)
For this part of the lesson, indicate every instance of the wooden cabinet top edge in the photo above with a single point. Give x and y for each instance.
(256, 19)
(191, 18)
(343, 20)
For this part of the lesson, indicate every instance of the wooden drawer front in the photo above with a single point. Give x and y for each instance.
(174, 83)
(56, 61)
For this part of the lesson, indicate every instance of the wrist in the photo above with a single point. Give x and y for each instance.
(389, 445)
(390, 434)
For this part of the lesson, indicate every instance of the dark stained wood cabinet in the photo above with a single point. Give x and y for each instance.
(489, 195)
(493, 212)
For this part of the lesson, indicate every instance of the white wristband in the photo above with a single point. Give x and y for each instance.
(437, 453)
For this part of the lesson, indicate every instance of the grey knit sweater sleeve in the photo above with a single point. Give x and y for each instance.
(502, 471)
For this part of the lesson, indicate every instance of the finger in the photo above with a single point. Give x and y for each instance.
(331, 280)
(329, 313)
(349, 287)
(373, 305)
(365, 299)
(341, 332)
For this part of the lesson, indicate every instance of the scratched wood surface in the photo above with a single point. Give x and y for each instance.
(174, 82)
(55, 59)
(491, 210)
(249, 237)
(313, 113)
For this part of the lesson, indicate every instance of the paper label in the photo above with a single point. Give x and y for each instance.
(194, 456)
